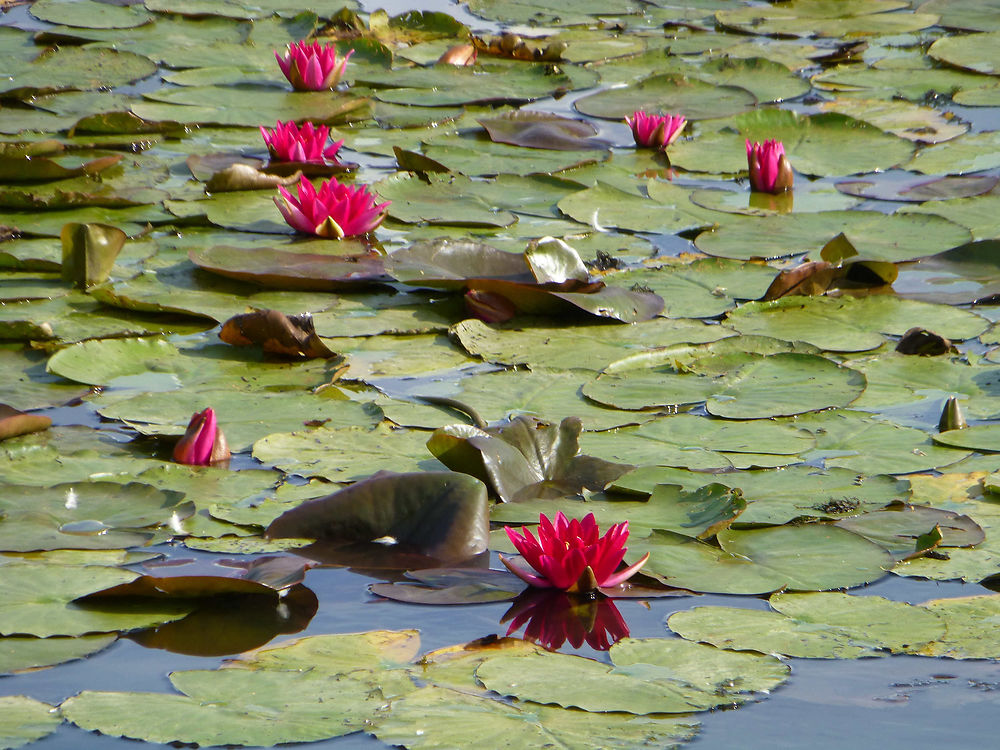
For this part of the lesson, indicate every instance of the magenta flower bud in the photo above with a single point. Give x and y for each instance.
(334, 211)
(770, 170)
(655, 131)
(571, 555)
(312, 66)
(203, 443)
(489, 307)
(289, 142)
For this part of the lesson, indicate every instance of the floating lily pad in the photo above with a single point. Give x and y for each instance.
(668, 92)
(823, 144)
(912, 80)
(976, 52)
(476, 156)
(78, 68)
(678, 441)
(24, 720)
(39, 601)
(922, 189)
(816, 626)
(284, 269)
(969, 621)
(90, 14)
(18, 654)
(978, 214)
(814, 557)
(909, 121)
(450, 200)
(850, 324)
(901, 527)
(667, 210)
(984, 437)
(971, 153)
(823, 18)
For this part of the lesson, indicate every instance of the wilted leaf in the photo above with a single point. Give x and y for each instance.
(89, 252)
(543, 130)
(14, 422)
(245, 177)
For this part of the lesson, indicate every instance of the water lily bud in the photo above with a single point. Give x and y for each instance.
(770, 170)
(203, 443)
(489, 307)
(952, 417)
(460, 54)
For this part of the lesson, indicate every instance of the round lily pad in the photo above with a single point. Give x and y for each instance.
(978, 52)
(668, 92)
(24, 720)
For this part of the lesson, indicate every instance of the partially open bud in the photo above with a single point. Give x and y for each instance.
(489, 307)
(952, 417)
(203, 443)
(460, 54)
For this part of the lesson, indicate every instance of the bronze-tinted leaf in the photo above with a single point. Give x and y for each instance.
(442, 514)
(276, 333)
(281, 269)
(245, 177)
(925, 343)
(203, 166)
(808, 279)
(14, 422)
(453, 586)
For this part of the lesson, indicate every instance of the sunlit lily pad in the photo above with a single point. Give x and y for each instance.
(814, 557)
(850, 324)
(78, 68)
(824, 18)
(668, 92)
(909, 121)
(475, 156)
(285, 269)
(451, 200)
(427, 717)
(971, 153)
(976, 52)
(970, 622)
(90, 14)
(24, 720)
(980, 214)
(824, 144)
(667, 210)
(816, 626)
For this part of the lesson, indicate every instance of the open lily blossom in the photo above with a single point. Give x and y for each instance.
(310, 66)
(770, 170)
(203, 442)
(655, 131)
(571, 555)
(289, 142)
(334, 211)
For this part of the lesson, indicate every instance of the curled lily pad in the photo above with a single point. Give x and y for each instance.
(89, 252)
(442, 514)
(524, 458)
(276, 333)
(921, 189)
(14, 422)
(899, 528)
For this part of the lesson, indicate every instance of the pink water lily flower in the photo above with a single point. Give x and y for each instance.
(770, 170)
(334, 211)
(655, 131)
(571, 555)
(289, 142)
(312, 66)
(203, 443)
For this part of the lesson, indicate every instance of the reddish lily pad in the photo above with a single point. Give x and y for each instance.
(280, 269)
(276, 333)
(14, 422)
(453, 586)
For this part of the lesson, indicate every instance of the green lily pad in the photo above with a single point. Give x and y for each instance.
(18, 654)
(854, 441)
(551, 12)
(78, 68)
(814, 626)
(850, 324)
(906, 120)
(978, 214)
(679, 440)
(909, 81)
(345, 454)
(814, 557)
(244, 417)
(479, 156)
(826, 18)
(823, 145)
(971, 153)
(337, 653)
(39, 601)
(876, 236)
(753, 387)
(558, 348)
(970, 625)
(983, 437)
(237, 707)
(90, 14)
(638, 688)
(24, 720)
(667, 210)
(976, 52)
(448, 200)
(428, 717)
(668, 92)
(900, 528)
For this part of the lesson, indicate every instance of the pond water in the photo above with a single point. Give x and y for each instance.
(649, 213)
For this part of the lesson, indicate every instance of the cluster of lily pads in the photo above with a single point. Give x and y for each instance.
(770, 392)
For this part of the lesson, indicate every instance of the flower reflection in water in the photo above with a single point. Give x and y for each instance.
(553, 617)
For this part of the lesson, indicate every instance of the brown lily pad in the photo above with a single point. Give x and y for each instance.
(281, 269)
(14, 422)
(276, 333)
(543, 130)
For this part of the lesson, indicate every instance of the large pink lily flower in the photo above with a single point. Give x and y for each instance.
(571, 555)
(334, 211)
(770, 170)
(312, 66)
(203, 443)
(655, 131)
(289, 142)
